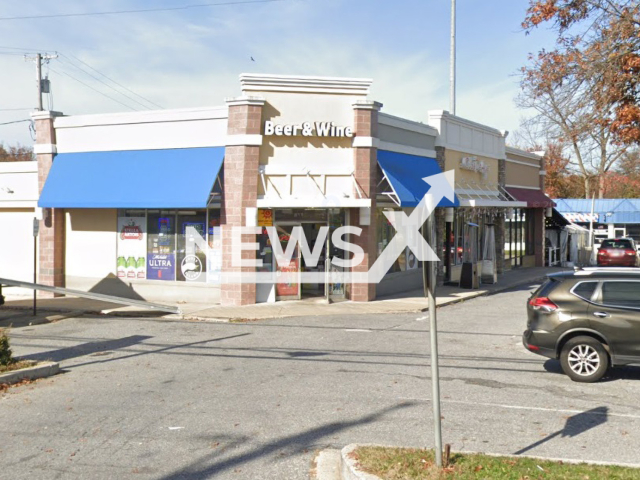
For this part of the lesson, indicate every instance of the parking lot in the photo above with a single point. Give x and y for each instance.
(151, 398)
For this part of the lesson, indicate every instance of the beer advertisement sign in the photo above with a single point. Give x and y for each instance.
(132, 248)
(161, 266)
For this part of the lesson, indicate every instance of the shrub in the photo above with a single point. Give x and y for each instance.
(5, 350)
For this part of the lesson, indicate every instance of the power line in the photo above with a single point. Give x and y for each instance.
(111, 80)
(95, 90)
(118, 12)
(16, 121)
(14, 109)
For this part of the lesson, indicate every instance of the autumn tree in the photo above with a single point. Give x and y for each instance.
(598, 41)
(17, 153)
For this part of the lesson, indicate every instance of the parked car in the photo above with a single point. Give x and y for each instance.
(589, 319)
(620, 252)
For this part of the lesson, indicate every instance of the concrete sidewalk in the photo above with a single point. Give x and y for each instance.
(17, 310)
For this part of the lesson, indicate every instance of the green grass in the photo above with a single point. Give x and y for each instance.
(409, 464)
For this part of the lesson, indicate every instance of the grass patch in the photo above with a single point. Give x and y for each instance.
(409, 464)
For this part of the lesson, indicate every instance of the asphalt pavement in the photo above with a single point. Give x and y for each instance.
(160, 399)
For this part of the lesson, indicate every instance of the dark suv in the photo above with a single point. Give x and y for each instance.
(589, 319)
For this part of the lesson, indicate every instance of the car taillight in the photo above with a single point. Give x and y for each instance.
(543, 303)
(602, 253)
(630, 252)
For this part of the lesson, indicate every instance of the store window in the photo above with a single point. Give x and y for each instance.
(169, 245)
(384, 233)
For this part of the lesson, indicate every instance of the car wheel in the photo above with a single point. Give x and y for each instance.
(584, 359)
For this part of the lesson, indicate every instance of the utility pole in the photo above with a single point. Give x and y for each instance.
(38, 59)
(452, 61)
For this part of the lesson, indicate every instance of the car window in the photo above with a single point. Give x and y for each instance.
(585, 289)
(616, 244)
(546, 288)
(621, 294)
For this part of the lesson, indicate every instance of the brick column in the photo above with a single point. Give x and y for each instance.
(365, 166)
(51, 237)
(242, 156)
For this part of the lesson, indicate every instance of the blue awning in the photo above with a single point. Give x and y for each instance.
(175, 178)
(405, 173)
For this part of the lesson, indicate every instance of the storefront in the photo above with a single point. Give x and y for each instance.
(148, 204)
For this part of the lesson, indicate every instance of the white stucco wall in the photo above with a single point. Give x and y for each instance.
(16, 247)
(90, 253)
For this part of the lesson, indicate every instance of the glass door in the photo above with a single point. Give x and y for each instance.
(335, 286)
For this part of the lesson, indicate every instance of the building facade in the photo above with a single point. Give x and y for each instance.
(143, 204)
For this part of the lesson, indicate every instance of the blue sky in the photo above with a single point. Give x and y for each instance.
(192, 57)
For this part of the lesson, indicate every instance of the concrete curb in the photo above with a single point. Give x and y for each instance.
(349, 468)
(486, 293)
(41, 370)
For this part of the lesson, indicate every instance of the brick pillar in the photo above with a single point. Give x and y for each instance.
(365, 166)
(500, 223)
(242, 156)
(51, 237)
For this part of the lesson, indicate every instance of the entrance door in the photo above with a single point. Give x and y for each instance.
(288, 276)
(335, 286)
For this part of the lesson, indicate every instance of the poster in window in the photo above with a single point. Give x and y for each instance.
(131, 247)
(288, 286)
(412, 261)
(161, 266)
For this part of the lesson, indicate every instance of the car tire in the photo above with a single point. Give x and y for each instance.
(584, 359)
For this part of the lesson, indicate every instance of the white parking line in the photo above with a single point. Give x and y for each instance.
(521, 407)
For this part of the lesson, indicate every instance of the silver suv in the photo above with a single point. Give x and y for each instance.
(589, 319)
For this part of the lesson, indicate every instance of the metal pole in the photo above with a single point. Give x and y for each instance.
(35, 264)
(39, 79)
(452, 66)
(429, 280)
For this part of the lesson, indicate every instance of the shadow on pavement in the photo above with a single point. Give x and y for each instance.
(86, 349)
(618, 373)
(575, 425)
(204, 468)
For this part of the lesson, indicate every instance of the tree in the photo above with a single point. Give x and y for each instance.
(598, 42)
(572, 92)
(17, 153)
(567, 117)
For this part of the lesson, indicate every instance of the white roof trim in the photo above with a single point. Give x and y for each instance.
(307, 84)
(404, 124)
(151, 116)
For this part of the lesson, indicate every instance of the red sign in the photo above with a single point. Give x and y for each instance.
(287, 287)
(131, 232)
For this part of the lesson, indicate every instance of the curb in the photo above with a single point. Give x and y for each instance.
(486, 293)
(349, 467)
(42, 370)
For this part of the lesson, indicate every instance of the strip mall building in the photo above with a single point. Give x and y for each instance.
(137, 204)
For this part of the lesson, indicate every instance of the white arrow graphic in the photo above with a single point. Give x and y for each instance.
(408, 227)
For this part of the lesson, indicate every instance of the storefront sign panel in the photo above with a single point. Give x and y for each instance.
(131, 247)
(307, 129)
